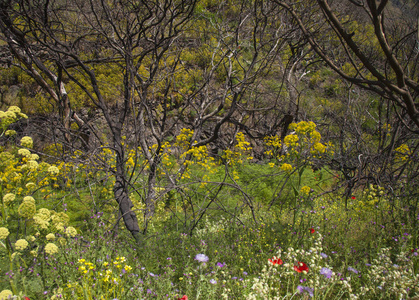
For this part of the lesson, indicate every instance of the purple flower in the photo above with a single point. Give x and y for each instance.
(326, 272)
(201, 258)
(353, 270)
(213, 281)
(324, 255)
(302, 289)
(221, 265)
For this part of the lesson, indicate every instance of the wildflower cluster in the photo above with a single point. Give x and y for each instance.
(301, 271)
(183, 140)
(11, 115)
(402, 153)
(388, 279)
(108, 278)
(372, 197)
(240, 149)
(303, 144)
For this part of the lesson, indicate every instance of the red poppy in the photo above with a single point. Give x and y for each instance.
(183, 298)
(27, 298)
(301, 267)
(275, 261)
(312, 230)
(353, 197)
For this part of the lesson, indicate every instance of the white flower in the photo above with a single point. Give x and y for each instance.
(201, 258)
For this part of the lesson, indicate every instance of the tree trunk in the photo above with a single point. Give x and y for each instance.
(121, 192)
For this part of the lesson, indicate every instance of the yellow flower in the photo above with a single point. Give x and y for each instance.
(4, 233)
(40, 222)
(10, 133)
(34, 157)
(286, 168)
(53, 170)
(319, 148)
(5, 294)
(21, 244)
(70, 231)
(8, 198)
(28, 208)
(127, 268)
(291, 140)
(27, 142)
(15, 109)
(51, 248)
(32, 165)
(50, 237)
(305, 190)
(30, 185)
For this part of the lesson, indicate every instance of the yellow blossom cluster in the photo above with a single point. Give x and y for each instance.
(402, 153)
(4, 233)
(21, 244)
(11, 115)
(109, 275)
(46, 220)
(236, 155)
(6, 294)
(70, 232)
(27, 208)
(305, 190)
(184, 138)
(27, 142)
(302, 143)
(286, 168)
(8, 199)
(51, 249)
(371, 197)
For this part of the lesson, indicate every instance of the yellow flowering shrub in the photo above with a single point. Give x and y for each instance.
(239, 152)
